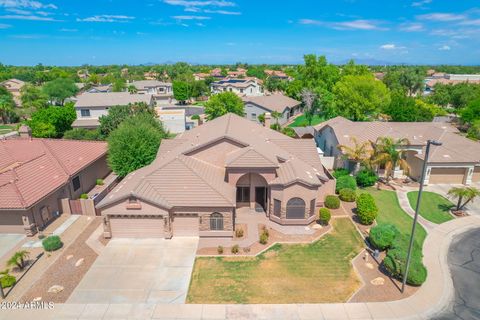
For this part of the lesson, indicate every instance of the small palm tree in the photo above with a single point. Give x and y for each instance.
(132, 89)
(463, 193)
(18, 259)
(389, 152)
(359, 153)
(276, 115)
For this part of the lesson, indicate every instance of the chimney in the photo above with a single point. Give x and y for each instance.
(25, 131)
(268, 120)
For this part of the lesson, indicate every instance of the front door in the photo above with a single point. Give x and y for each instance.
(261, 196)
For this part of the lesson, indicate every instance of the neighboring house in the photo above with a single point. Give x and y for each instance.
(90, 107)
(201, 76)
(173, 120)
(216, 73)
(275, 74)
(446, 79)
(242, 87)
(14, 86)
(239, 73)
(100, 89)
(162, 92)
(36, 174)
(151, 75)
(202, 176)
(286, 106)
(457, 161)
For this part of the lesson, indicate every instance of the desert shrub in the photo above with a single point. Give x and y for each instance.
(340, 172)
(52, 243)
(332, 202)
(366, 178)
(367, 209)
(84, 196)
(395, 263)
(345, 182)
(195, 117)
(235, 249)
(239, 233)
(7, 280)
(265, 230)
(348, 195)
(383, 236)
(324, 215)
(220, 250)
(99, 182)
(263, 238)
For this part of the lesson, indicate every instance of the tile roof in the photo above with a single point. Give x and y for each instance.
(30, 169)
(110, 99)
(178, 178)
(143, 84)
(275, 102)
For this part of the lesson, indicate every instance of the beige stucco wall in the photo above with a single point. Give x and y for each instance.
(204, 220)
(11, 221)
(416, 165)
(88, 177)
(215, 153)
(328, 142)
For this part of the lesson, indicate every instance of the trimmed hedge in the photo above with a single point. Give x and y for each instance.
(366, 178)
(395, 263)
(52, 243)
(340, 172)
(383, 236)
(332, 202)
(348, 195)
(367, 209)
(345, 182)
(7, 280)
(324, 215)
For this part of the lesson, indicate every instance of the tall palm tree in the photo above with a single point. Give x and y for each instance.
(389, 152)
(6, 106)
(360, 153)
(467, 193)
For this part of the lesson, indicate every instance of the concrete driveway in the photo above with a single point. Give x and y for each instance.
(139, 271)
(472, 208)
(8, 241)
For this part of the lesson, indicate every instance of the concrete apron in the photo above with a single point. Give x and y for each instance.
(430, 299)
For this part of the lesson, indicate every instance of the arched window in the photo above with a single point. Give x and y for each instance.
(296, 208)
(216, 221)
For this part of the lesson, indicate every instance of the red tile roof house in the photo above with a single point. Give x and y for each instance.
(202, 176)
(35, 174)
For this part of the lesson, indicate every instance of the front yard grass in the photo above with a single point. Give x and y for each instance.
(5, 128)
(301, 121)
(313, 273)
(433, 206)
(391, 212)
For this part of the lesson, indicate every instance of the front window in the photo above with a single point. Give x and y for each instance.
(312, 207)
(254, 116)
(85, 112)
(76, 183)
(277, 205)
(296, 208)
(243, 194)
(216, 221)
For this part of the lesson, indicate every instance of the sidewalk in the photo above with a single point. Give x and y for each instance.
(405, 205)
(430, 299)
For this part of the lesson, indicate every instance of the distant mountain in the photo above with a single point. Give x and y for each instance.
(372, 62)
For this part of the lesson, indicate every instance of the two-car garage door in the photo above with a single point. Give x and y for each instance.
(185, 226)
(447, 175)
(137, 227)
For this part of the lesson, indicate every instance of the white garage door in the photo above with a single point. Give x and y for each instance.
(137, 227)
(185, 226)
(447, 175)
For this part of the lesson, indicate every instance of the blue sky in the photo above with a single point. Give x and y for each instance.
(74, 32)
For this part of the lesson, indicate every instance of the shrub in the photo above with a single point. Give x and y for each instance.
(345, 182)
(7, 280)
(265, 230)
(324, 215)
(239, 233)
(84, 196)
(195, 117)
(366, 208)
(366, 178)
(395, 263)
(220, 250)
(383, 236)
(235, 249)
(263, 238)
(332, 202)
(340, 172)
(348, 195)
(52, 243)
(100, 182)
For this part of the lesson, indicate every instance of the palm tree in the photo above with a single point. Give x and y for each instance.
(18, 259)
(360, 153)
(132, 89)
(276, 115)
(6, 106)
(389, 152)
(461, 193)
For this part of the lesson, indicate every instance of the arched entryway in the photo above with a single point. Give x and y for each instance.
(296, 208)
(252, 190)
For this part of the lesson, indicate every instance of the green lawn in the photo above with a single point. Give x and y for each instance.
(5, 128)
(390, 212)
(300, 121)
(433, 207)
(314, 273)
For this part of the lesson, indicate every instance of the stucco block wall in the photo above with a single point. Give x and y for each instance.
(328, 142)
(415, 164)
(88, 177)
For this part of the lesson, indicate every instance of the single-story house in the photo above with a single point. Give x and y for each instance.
(90, 107)
(276, 74)
(202, 176)
(456, 161)
(104, 88)
(162, 92)
(285, 106)
(36, 175)
(173, 120)
(14, 86)
(242, 87)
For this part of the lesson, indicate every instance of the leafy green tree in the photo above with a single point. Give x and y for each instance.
(7, 104)
(132, 89)
(360, 97)
(409, 80)
(456, 96)
(118, 85)
(118, 114)
(134, 144)
(199, 89)
(60, 89)
(474, 130)
(52, 121)
(352, 69)
(33, 97)
(471, 113)
(223, 103)
(82, 134)
(181, 91)
(409, 109)
(317, 72)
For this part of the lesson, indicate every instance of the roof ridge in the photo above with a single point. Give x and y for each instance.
(20, 196)
(54, 156)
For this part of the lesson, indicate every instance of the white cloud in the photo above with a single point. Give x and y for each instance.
(107, 18)
(421, 3)
(444, 48)
(26, 4)
(29, 17)
(186, 3)
(4, 26)
(391, 46)
(191, 18)
(234, 13)
(412, 27)
(475, 22)
(441, 17)
(346, 25)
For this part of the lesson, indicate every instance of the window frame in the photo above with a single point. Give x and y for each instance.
(85, 113)
(76, 186)
(277, 208)
(244, 191)
(295, 206)
(216, 222)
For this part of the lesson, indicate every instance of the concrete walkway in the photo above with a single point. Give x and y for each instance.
(57, 232)
(430, 299)
(405, 205)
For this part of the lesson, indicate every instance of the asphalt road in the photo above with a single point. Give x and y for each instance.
(464, 263)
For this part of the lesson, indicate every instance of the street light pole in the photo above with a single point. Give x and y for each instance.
(417, 208)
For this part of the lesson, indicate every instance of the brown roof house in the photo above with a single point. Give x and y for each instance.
(202, 176)
(457, 161)
(36, 174)
(285, 106)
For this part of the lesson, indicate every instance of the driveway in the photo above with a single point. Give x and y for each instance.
(139, 271)
(464, 263)
(473, 207)
(8, 241)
